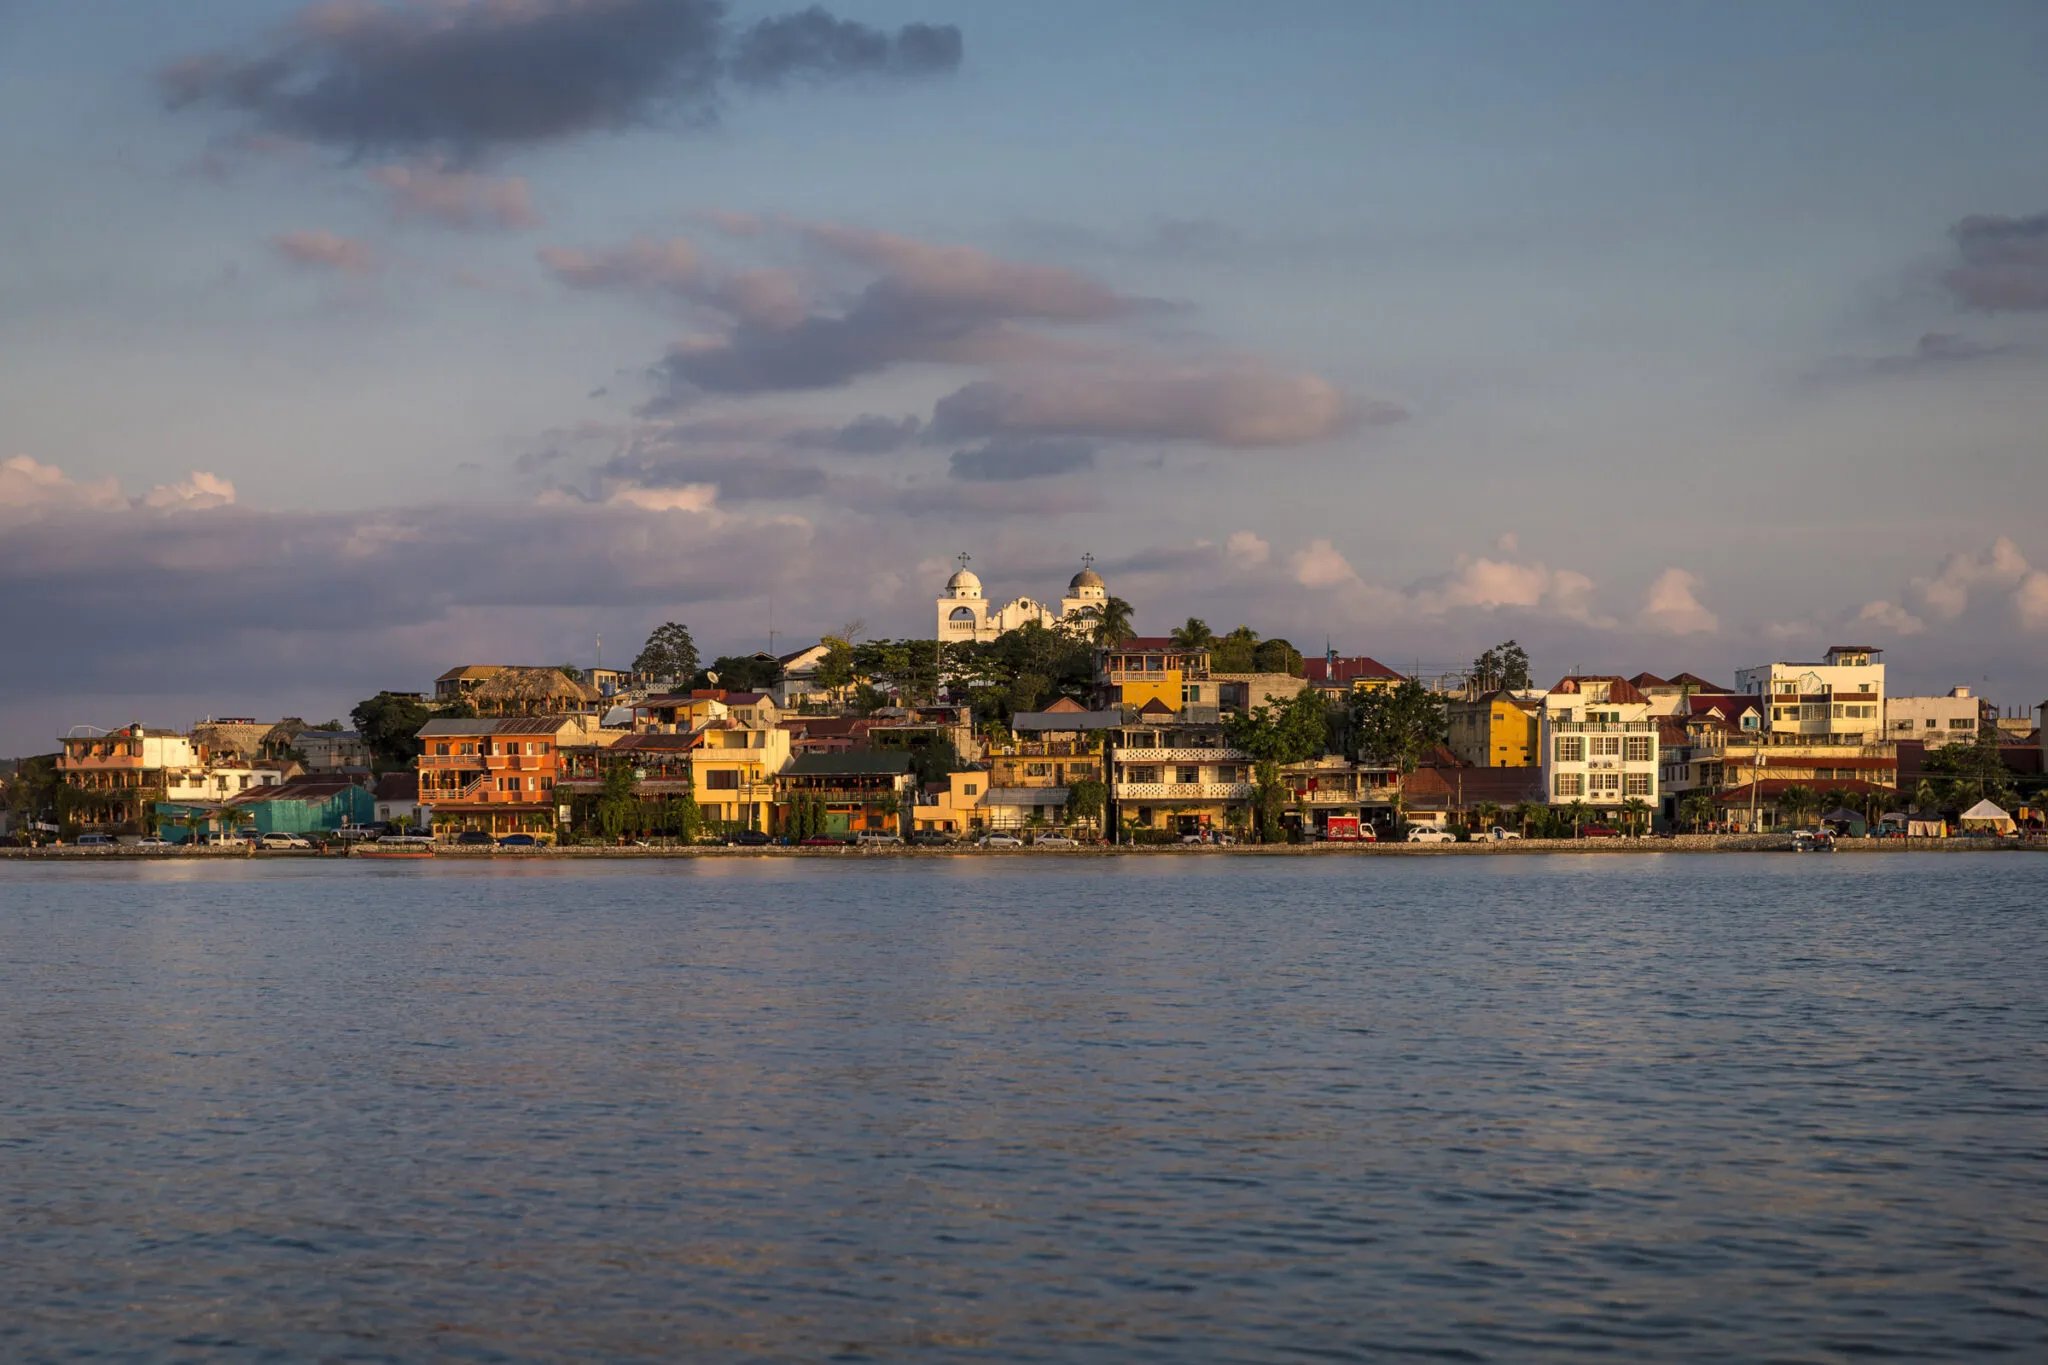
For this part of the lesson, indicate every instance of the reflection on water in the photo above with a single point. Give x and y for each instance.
(1706, 1108)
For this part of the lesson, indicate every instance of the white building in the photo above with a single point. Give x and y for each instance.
(1598, 742)
(1934, 721)
(964, 614)
(1843, 694)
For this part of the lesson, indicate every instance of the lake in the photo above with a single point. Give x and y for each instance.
(1675, 1108)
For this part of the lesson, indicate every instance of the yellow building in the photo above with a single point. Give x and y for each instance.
(733, 774)
(1152, 668)
(953, 809)
(1497, 730)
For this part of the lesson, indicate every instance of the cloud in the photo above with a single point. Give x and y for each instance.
(1239, 405)
(2004, 263)
(25, 483)
(923, 302)
(1671, 607)
(2030, 600)
(1245, 550)
(467, 76)
(813, 44)
(641, 264)
(1934, 353)
(1319, 565)
(1886, 616)
(28, 487)
(1947, 593)
(1009, 461)
(689, 497)
(199, 490)
(324, 250)
(429, 191)
(866, 434)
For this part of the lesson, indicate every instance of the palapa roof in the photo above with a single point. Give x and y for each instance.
(533, 684)
(243, 739)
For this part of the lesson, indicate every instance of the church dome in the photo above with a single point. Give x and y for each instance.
(1087, 578)
(963, 584)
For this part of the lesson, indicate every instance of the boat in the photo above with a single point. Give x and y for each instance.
(395, 846)
(1814, 841)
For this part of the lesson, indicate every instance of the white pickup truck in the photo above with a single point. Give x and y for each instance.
(1500, 834)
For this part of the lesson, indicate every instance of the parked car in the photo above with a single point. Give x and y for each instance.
(1600, 832)
(351, 833)
(748, 838)
(1424, 834)
(1500, 833)
(151, 841)
(518, 841)
(473, 838)
(280, 839)
(94, 841)
(1054, 841)
(931, 838)
(822, 841)
(877, 837)
(1001, 841)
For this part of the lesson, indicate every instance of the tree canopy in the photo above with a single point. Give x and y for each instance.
(1505, 665)
(670, 652)
(388, 723)
(1399, 725)
(1292, 732)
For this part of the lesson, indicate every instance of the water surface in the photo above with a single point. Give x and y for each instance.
(1175, 1109)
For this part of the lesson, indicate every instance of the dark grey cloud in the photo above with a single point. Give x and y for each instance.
(1936, 353)
(867, 434)
(1004, 461)
(467, 78)
(2004, 263)
(814, 44)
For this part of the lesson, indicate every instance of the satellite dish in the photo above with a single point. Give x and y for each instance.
(713, 677)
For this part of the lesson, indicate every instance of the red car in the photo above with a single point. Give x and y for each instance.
(1600, 832)
(821, 841)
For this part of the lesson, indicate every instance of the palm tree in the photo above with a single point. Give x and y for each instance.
(1797, 802)
(1696, 809)
(1488, 813)
(1838, 798)
(1111, 619)
(1528, 813)
(1635, 814)
(1575, 813)
(1194, 635)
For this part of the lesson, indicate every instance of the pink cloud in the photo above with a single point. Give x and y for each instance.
(461, 199)
(327, 251)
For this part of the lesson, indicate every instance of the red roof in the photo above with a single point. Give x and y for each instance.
(1618, 688)
(1319, 672)
(1648, 680)
(1155, 707)
(1774, 787)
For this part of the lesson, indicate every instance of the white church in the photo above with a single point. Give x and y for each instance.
(965, 615)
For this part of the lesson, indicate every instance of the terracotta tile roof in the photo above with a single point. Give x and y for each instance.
(1319, 672)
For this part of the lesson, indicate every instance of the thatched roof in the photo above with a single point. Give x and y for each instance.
(530, 689)
(224, 739)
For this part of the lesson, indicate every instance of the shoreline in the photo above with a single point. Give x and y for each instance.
(1684, 843)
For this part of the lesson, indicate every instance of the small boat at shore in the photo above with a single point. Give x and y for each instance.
(395, 846)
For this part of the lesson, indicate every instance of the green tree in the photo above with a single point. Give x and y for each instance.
(1294, 732)
(1696, 808)
(1235, 652)
(686, 818)
(1797, 803)
(738, 673)
(1277, 656)
(1527, 813)
(1110, 621)
(835, 672)
(1635, 815)
(571, 672)
(1271, 802)
(1195, 634)
(1575, 816)
(1398, 726)
(1086, 798)
(1969, 773)
(390, 726)
(618, 803)
(670, 652)
(1505, 665)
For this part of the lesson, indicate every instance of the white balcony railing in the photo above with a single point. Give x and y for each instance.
(1135, 754)
(1185, 791)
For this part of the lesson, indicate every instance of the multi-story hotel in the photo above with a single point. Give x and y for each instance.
(1599, 744)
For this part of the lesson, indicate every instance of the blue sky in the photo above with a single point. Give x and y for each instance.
(1663, 337)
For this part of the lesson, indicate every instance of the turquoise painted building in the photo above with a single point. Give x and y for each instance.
(306, 806)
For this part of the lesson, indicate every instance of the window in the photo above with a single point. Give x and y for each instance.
(722, 780)
(970, 789)
(1962, 723)
(1604, 784)
(1638, 749)
(1571, 784)
(1638, 784)
(1144, 774)
(1571, 749)
(1606, 746)
(1188, 775)
(468, 747)
(1037, 769)
(441, 749)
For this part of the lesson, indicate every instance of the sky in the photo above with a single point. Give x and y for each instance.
(342, 343)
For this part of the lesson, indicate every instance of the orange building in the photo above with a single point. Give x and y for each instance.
(494, 775)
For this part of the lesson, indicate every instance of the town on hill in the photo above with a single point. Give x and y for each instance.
(1049, 722)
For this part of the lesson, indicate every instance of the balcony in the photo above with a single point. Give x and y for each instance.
(1139, 754)
(1051, 748)
(1604, 727)
(1185, 791)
